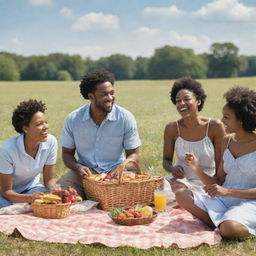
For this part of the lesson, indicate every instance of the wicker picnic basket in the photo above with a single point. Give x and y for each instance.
(51, 211)
(134, 221)
(122, 194)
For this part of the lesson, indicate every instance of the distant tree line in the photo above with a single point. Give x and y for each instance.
(168, 62)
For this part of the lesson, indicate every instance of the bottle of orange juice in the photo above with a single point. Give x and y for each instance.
(160, 200)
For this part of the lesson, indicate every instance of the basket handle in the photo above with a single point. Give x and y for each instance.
(121, 168)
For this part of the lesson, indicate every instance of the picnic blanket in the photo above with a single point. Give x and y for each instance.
(174, 226)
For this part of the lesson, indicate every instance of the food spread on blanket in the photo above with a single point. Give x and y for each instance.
(126, 176)
(137, 212)
(58, 196)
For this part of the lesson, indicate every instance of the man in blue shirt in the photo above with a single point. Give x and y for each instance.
(100, 132)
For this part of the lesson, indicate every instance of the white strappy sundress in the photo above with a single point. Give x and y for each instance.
(204, 151)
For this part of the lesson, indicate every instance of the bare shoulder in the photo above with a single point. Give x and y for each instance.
(171, 129)
(216, 122)
(216, 125)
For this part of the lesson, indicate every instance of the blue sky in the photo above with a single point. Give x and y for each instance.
(97, 28)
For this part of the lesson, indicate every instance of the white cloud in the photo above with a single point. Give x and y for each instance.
(145, 32)
(15, 41)
(41, 2)
(162, 11)
(66, 12)
(199, 43)
(230, 10)
(96, 21)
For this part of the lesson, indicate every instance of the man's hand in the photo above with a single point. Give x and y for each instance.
(83, 170)
(178, 172)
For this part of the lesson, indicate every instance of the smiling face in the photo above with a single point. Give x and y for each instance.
(37, 130)
(230, 121)
(186, 103)
(103, 98)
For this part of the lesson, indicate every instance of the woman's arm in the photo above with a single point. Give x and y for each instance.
(11, 195)
(218, 134)
(170, 135)
(216, 190)
(49, 176)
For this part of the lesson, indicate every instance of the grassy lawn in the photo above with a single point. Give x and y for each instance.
(149, 102)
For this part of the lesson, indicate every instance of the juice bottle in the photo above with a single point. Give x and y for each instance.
(160, 200)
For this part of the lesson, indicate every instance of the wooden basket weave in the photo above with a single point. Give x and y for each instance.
(134, 221)
(122, 194)
(51, 211)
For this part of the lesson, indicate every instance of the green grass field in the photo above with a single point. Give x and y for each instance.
(149, 102)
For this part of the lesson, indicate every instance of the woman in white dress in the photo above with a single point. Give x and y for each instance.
(191, 133)
(231, 201)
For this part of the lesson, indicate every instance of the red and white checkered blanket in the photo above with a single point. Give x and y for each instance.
(175, 226)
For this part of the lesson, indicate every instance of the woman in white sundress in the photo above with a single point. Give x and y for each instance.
(231, 201)
(192, 133)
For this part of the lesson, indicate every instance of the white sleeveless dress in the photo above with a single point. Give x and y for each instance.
(204, 151)
(240, 174)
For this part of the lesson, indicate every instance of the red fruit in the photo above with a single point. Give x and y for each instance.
(72, 198)
(66, 199)
(136, 215)
(128, 214)
(66, 192)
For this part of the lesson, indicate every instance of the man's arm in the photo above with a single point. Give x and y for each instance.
(132, 154)
(68, 157)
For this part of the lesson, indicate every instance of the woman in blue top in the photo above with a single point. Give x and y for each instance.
(24, 157)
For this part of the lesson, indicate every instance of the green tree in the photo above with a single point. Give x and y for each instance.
(63, 75)
(21, 61)
(173, 62)
(141, 65)
(72, 63)
(89, 64)
(121, 65)
(251, 66)
(223, 60)
(39, 68)
(8, 69)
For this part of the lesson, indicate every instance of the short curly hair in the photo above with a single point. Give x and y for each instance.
(242, 101)
(24, 112)
(92, 78)
(190, 84)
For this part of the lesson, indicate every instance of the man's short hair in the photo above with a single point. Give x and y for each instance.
(92, 78)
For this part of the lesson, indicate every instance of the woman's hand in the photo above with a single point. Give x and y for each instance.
(191, 161)
(177, 172)
(36, 195)
(215, 190)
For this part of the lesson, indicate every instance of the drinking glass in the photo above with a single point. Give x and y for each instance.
(160, 200)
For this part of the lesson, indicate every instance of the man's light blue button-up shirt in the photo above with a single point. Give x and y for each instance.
(100, 147)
